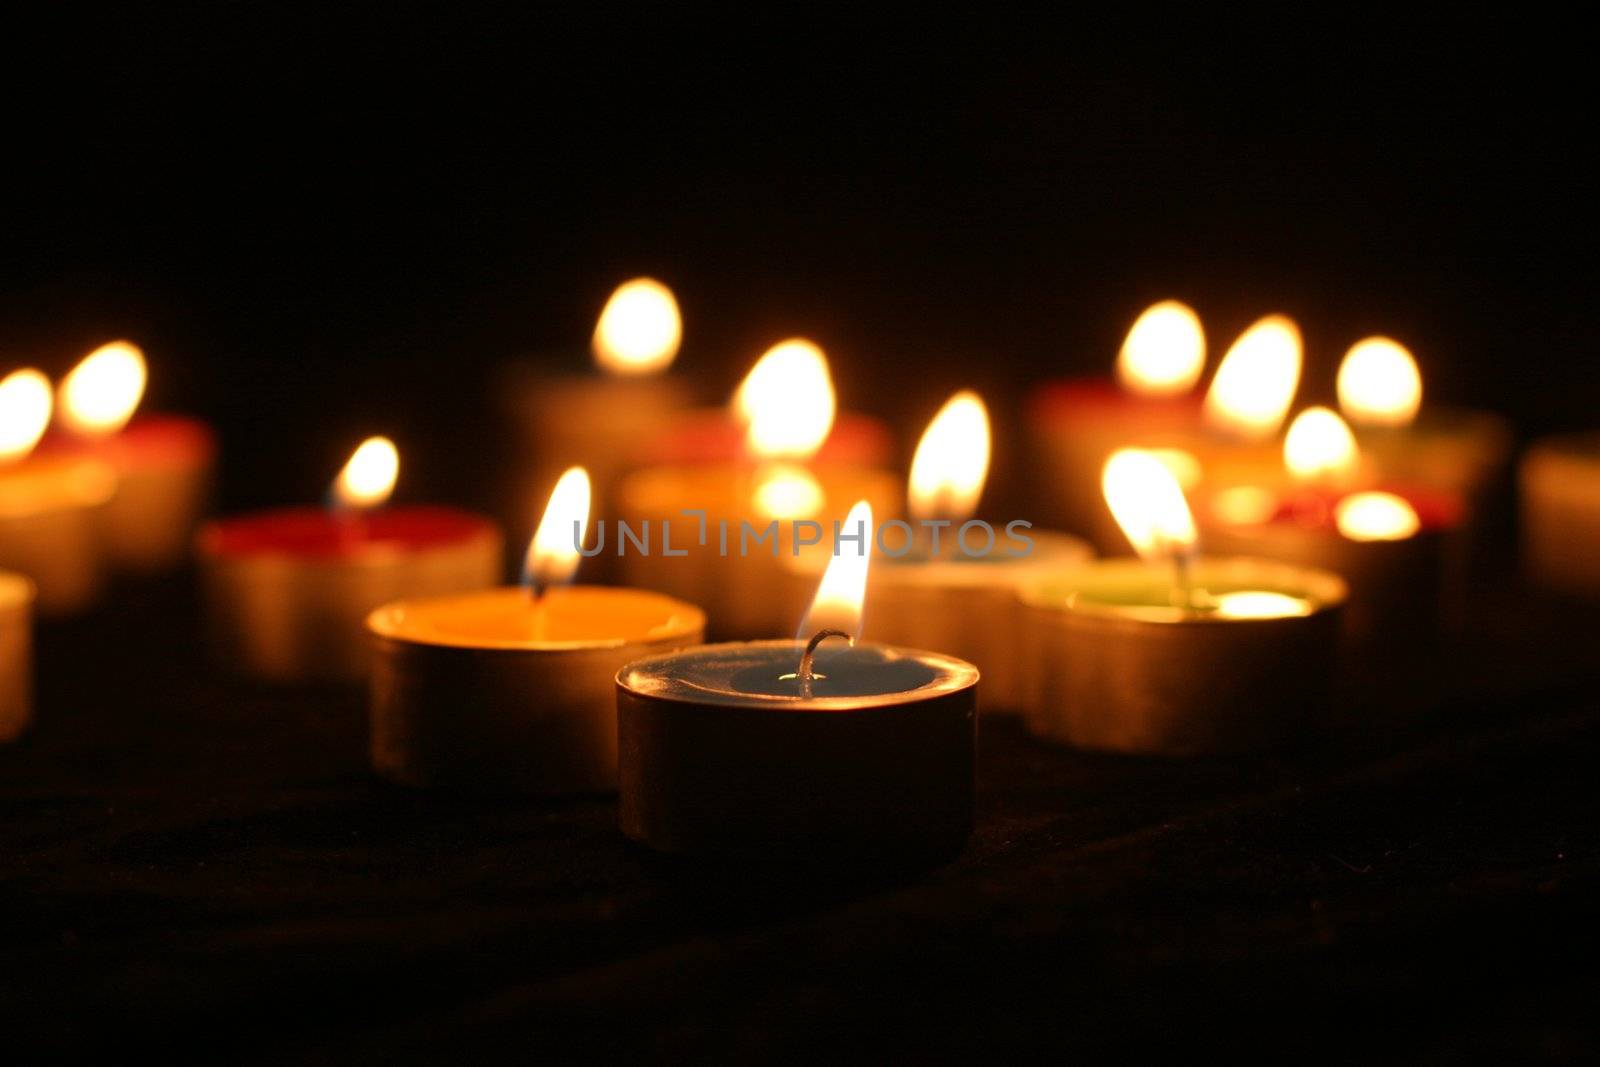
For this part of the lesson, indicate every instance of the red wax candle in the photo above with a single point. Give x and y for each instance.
(713, 435)
(287, 592)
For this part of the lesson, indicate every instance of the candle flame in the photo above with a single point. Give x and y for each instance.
(787, 402)
(639, 330)
(1148, 504)
(952, 460)
(1376, 517)
(553, 554)
(25, 402)
(1257, 379)
(843, 590)
(1379, 383)
(1320, 447)
(368, 476)
(100, 394)
(1261, 604)
(786, 491)
(1164, 353)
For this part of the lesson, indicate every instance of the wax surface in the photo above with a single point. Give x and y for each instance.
(1144, 591)
(564, 617)
(1314, 507)
(762, 673)
(321, 532)
(1103, 399)
(715, 437)
(147, 441)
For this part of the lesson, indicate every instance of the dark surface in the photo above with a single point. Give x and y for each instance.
(188, 863)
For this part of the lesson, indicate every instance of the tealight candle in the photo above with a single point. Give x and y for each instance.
(1560, 488)
(960, 597)
(16, 655)
(770, 746)
(288, 591)
(513, 688)
(50, 506)
(709, 539)
(1176, 655)
(606, 420)
(1390, 545)
(163, 463)
(1077, 425)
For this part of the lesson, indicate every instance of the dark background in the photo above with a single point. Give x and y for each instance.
(325, 222)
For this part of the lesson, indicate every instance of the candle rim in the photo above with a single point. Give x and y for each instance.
(213, 537)
(1323, 590)
(684, 621)
(1053, 550)
(952, 675)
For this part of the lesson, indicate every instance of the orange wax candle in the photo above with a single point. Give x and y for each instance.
(513, 688)
(50, 506)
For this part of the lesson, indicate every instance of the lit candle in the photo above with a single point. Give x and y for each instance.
(825, 744)
(1389, 543)
(1456, 450)
(1560, 491)
(163, 463)
(51, 506)
(288, 591)
(515, 688)
(708, 523)
(16, 655)
(1076, 424)
(602, 420)
(1174, 653)
(961, 596)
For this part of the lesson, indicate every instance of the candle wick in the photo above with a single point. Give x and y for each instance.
(807, 672)
(1182, 589)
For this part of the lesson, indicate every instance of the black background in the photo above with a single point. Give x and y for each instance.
(328, 222)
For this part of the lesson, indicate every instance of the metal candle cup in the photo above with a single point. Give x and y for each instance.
(494, 690)
(164, 466)
(1114, 666)
(287, 592)
(720, 752)
(1560, 484)
(52, 510)
(16, 655)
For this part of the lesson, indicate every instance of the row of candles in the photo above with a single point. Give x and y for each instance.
(1337, 533)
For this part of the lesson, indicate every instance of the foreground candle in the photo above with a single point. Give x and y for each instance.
(288, 591)
(951, 583)
(163, 463)
(16, 655)
(51, 506)
(1560, 484)
(1176, 655)
(512, 689)
(775, 745)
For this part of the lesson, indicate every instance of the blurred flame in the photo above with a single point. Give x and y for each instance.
(1183, 465)
(1320, 447)
(369, 475)
(1147, 503)
(639, 330)
(843, 589)
(553, 555)
(100, 394)
(785, 491)
(25, 402)
(1257, 379)
(1379, 383)
(786, 401)
(1244, 505)
(1164, 352)
(1376, 517)
(1260, 604)
(952, 460)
